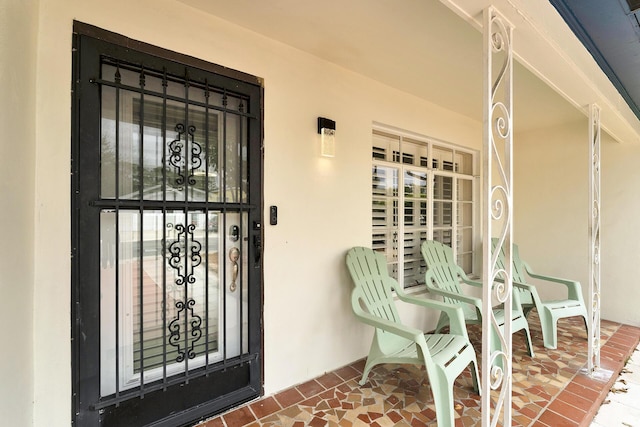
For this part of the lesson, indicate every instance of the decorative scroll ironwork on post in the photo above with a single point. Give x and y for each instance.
(594, 238)
(185, 329)
(498, 211)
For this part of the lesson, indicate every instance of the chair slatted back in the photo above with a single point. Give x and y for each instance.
(441, 267)
(370, 276)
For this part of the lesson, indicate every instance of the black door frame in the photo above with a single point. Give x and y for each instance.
(168, 405)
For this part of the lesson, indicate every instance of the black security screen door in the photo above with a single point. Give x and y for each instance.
(166, 234)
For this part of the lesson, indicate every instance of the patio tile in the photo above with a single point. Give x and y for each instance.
(610, 364)
(554, 419)
(622, 338)
(330, 380)
(590, 383)
(265, 407)
(548, 390)
(575, 401)
(359, 365)
(580, 390)
(216, 422)
(289, 397)
(239, 417)
(568, 411)
(310, 388)
(612, 352)
(347, 373)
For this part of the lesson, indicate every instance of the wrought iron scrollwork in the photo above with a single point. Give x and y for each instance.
(175, 330)
(195, 247)
(497, 189)
(175, 154)
(594, 237)
(184, 256)
(196, 151)
(176, 158)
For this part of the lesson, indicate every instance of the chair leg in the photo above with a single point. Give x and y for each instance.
(529, 344)
(475, 377)
(549, 329)
(585, 317)
(586, 325)
(442, 393)
(367, 368)
(375, 357)
(521, 323)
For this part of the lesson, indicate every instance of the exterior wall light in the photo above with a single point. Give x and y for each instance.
(327, 131)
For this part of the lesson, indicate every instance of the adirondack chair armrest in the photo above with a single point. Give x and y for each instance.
(476, 302)
(399, 329)
(522, 286)
(573, 287)
(455, 313)
(471, 282)
(525, 287)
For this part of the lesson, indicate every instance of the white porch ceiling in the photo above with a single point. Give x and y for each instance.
(433, 50)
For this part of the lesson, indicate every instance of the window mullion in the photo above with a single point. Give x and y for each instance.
(454, 215)
(474, 218)
(430, 196)
(430, 191)
(401, 215)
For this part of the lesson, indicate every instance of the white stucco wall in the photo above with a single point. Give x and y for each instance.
(551, 197)
(324, 204)
(551, 193)
(620, 232)
(18, 29)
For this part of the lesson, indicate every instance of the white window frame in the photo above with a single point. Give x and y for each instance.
(398, 257)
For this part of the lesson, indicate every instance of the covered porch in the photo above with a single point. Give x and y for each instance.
(414, 69)
(549, 390)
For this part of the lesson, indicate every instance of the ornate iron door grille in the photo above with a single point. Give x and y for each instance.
(167, 172)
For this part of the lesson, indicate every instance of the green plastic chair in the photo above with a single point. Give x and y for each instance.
(549, 311)
(443, 277)
(444, 356)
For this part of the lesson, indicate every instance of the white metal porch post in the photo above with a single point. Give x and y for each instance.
(594, 238)
(497, 210)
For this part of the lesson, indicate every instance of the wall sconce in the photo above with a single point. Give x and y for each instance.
(327, 131)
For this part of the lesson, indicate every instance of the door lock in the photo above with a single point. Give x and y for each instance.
(234, 233)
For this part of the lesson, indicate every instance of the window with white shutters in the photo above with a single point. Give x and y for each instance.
(421, 189)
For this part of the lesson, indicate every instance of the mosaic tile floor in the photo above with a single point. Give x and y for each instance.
(548, 390)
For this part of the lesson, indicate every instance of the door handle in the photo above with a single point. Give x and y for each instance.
(234, 255)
